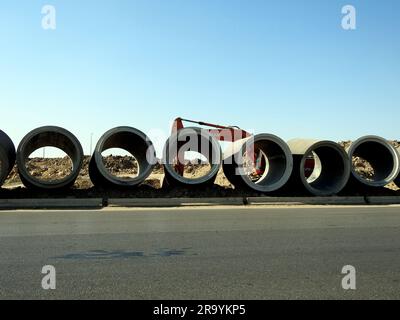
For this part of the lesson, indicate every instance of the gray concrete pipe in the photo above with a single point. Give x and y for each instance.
(7, 156)
(49, 136)
(397, 180)
(381, 155)
(196, 140)
(129, 139)
(276, 155)
(331, 170)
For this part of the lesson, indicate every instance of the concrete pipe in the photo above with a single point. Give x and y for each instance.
(321, 167)
(397, 180)
(191, 139)
(131, 140)
(262, 163)
(49, 136)
(7, 156)
(382, 157)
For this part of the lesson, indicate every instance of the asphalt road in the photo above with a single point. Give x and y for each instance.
(221, 253)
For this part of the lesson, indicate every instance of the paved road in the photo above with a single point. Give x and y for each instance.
(221, 253)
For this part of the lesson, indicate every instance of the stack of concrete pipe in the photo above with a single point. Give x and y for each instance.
(285, 161)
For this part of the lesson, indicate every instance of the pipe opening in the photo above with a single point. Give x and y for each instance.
(312, 167)
(120, 163)
(195, 165)
(49, 164)
(272, 163)
(374, 161)
(264, 163)
(3, 168)
(256, 165)
(325, 169)
(192, 156)
(131, 146)
(49, 137)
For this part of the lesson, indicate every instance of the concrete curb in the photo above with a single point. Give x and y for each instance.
(306, 200)
(98, 203)
(174, 202)
(51, 203)
(382, 200)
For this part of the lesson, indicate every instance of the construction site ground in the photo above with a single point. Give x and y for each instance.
(153, 187)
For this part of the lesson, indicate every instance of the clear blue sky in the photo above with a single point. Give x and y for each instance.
(282, 67)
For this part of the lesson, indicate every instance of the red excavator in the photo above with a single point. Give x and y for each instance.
(227, 134)
(232, 134)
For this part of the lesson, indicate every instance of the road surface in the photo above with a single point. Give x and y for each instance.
(202, 253)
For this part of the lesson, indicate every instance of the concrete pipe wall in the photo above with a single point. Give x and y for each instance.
(331, 169)
(381, 155)
(7, 156)
(191, 139)
(129, 139)
(397, 180)
(276, 155)
(49, 136)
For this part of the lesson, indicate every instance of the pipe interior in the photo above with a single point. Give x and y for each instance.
(3, 167)
(192, 141)
(52, 139)
(378, 156)
(330, 165)
(132, 143)
(276, 162)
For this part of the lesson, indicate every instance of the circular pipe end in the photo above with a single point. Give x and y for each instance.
(49, 136)
(129, 139)
(276, 154)
(381, 155)
(196, 140)
(331, 169)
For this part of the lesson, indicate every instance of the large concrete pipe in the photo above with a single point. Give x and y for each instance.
(321, 167)
(272, 153)
(7, 156)
(397, 180)
(381, 156)
(131, 140)
(49, 136)
(191, 139)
